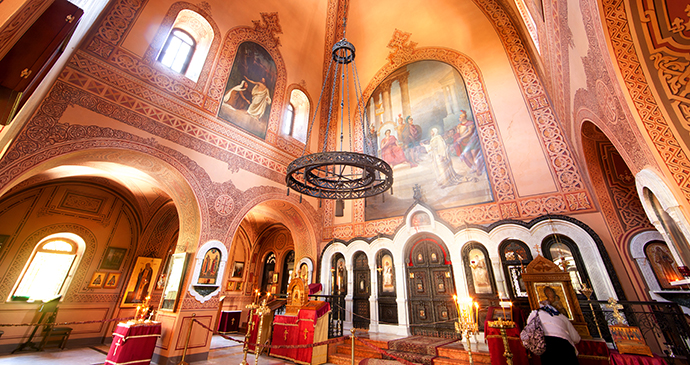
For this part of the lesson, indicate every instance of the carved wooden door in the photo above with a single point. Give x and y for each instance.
(362, 285)
(431, 288)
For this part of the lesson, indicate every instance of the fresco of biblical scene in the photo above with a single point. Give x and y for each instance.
(663, 264)
(419, 120)
(249, 93)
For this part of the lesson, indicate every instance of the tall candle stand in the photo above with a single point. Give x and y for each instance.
(587, 292)
(468, 311)
(250, 327)
(261, 311)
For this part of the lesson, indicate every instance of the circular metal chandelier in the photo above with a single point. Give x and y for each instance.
(339, 174)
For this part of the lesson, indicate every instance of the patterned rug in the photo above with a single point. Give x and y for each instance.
(419, 344)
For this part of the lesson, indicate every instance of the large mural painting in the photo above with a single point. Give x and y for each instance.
(249, 92)
(419, 120)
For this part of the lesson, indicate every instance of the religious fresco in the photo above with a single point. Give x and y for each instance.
(480, 272)
(663, 264)
(419, 121)
(248, 94)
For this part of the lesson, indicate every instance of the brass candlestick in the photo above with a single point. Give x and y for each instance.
(502, 326)
(587, 292)
(250, 326)
(261, 311)
(467, 322)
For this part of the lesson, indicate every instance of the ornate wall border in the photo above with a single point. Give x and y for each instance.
(566, 169)
(660, 133)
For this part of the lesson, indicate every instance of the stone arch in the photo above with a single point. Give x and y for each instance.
(173, 176)
(298, 218)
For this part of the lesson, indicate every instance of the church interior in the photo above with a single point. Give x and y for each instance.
(145, 145)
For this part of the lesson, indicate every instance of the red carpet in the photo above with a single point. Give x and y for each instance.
(418, 349)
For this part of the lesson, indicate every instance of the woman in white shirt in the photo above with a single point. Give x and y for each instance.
(559, 334)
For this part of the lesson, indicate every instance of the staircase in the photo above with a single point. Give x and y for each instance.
(453, 353)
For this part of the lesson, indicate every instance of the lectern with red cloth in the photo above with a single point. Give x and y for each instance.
(496, 349)
(305, 322)
(308, 327)
(133, 343)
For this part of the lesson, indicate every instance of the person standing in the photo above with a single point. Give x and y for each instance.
(559, 334)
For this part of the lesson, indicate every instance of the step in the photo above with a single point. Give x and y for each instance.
(455, 353)
(363, 351)
(342, 359)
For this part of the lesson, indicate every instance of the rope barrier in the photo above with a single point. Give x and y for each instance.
(63, 323)
(305, 346)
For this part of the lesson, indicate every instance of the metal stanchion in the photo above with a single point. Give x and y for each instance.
(186, 343)
(352, 362)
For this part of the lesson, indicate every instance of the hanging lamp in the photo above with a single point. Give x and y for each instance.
(340, 174)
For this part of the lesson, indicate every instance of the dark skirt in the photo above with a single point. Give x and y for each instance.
(558, 352)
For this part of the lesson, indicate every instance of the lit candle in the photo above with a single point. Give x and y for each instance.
(476, 312)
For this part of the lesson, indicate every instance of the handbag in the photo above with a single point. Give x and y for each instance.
(532, 336)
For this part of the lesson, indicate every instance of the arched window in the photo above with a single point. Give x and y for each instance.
(51, 265)
(339, 275)
(670, 227)
(296, 118)
(515, 256)
(564, 253)
(269, 270)
(187, 44)
(288, 269)
(178, 51)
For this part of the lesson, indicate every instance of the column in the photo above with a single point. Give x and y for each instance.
(405, 94)
(373, 298)
(387, 107)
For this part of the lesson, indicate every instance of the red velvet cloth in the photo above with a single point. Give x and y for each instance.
(630, 359)
(133, 344)
(593, 352)
(315, 288)
(285, 332)
(496, 349)
(300, 331)
(253, 333)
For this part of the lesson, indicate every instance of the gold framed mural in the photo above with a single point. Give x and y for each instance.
(426, 131)
(141, 281)
(97, 280)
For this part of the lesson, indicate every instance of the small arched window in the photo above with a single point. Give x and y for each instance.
(515, 256)
(296, 118)
(178, 51)
(269, 269)
(46, 275)
(564, 253)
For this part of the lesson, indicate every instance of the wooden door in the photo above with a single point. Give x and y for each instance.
(431, 288)
(388, 304)
(362, 291)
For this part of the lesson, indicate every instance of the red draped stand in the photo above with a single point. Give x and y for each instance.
(133, 343)
(308, 327)
(265, 331)
(630, 359)
(496, 349)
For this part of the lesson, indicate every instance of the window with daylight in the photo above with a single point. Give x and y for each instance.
(564, 253)
(187, 45)
(296, 117)
(50, 268)
(178, 51)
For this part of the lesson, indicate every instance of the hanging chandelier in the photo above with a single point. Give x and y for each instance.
(340, 174)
